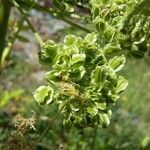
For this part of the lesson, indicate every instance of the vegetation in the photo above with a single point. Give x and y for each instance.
(77, 107)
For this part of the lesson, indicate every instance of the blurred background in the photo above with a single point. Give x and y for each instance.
(130, 124)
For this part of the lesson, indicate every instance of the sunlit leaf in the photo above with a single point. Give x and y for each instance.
(104, 119)
(92, 111)
(117, 63)
(43, 95)
(121, 84)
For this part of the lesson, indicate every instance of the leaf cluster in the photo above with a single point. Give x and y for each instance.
(123, 24)
(81, 73)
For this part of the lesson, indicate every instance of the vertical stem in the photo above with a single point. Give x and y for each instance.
(10, 43)
(5, 7)
(94, 138)
(45, 132)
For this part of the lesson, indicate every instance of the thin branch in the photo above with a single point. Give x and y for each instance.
(75, 25)
(36, 34)
(45, 132)
(53, 13)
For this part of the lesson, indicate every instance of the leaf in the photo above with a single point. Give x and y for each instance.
(101, 106)
(74, 49)
(48, 52)
(121, 84)
(42, 94)
(117, 63)
(52, 75)
(96, 11)
(78, 58)
(99, 60)
(140, 41)
(98, 76)
(111, 48)
(100, 24)
(92, 111)
(69, 8)
(77, 73)
(70, 39)
(90, 39)
(22, 38)
(109, 113)
(104, 119)
(49, 49)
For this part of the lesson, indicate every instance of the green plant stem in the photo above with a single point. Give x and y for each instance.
(53, 13)
(10, 43)
(45, 132)
(36, 34)
(94, 138)
(5, 7)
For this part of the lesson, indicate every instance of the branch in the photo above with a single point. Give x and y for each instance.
(36, 34)
(52, 12)
(4, 16)
(45, 132)
(7, 49)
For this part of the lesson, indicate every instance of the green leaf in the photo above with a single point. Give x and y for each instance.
(109, 113)
(117, 63)
(99, 60)
(77, 73)
(49, 49)
(90, 39)
(101, 106)
(98, 76)
(68, 8)
(104, 119)
(70, 39)
(43, 95)
(96, 11)
(52, 75)
(78, 58)
(92, 111)
(74, 49)
(121, 84)
(100, 24)
(48, 52)
(22, 38)
(111, 48)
